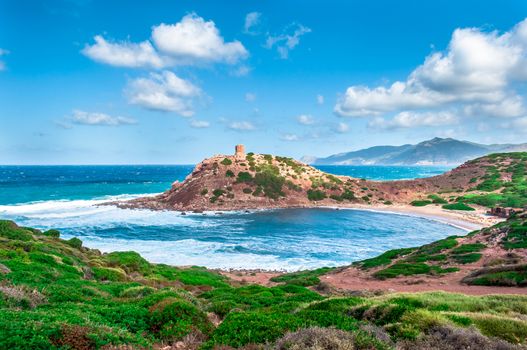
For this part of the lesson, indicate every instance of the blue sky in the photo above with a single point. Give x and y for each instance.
(119, 82)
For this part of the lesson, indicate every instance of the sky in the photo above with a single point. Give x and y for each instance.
(173, 82)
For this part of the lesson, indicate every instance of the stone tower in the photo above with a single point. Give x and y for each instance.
(239, 151)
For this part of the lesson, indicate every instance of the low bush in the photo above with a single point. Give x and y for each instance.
(315, 195)
(420, 203)
(226, 161)
(458, 206)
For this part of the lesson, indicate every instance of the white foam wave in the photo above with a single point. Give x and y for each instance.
(210, 254)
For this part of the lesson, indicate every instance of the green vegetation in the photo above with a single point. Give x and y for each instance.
(436, 199)
(501, 192)
(385, 258)
(458, 206)
(302, 278)
(54, 294)
(229, 173)
(226, 161)
(204, 191)
(244, 177)
(316, 195)
(516, 236)
(420, 203)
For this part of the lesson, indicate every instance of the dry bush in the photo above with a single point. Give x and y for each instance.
(75, 337)
(316, 338)
(448, 338)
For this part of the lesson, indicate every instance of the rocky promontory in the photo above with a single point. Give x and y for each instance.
(258, 181)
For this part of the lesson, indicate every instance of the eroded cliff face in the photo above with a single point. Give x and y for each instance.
(264, 181)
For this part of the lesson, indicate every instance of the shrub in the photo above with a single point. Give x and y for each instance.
(315, 195)
(226, 161)
(52, 233)
(458, 206)
(244, 177)
(136, 292)
(316, 338)
(218, 192)
(437, 199)
(204, 191)
(108, 274)
(172, 319)
(129, 261)
(385, 258)
(467, 258)
(247, 190)
(468, 248)
(302, 278)
(229, 173)
(10, 230)
(74, 242)
(420, 203)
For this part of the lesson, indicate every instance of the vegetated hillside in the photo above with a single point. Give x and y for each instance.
(494, 256)
(56, 293)
(266, 181)
(434, 151)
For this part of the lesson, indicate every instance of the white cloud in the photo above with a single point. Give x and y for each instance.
(478, 68)
(199, 124)
(241, 71)
(342, 127)
(320, 99)
(3, 52)
(413, 119)
(250, 97)
(287, 41)
(509, 107)
(123, 54)
(95, 118)
(289, 137)
(242, 126)
(163, 91)
(194, 39)
(518, 125)
(252, 20)
(305, 119)
(191, 41)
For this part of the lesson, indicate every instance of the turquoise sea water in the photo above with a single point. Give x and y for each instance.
(66, 197)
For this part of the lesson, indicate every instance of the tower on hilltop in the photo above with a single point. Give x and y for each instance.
(239, 151)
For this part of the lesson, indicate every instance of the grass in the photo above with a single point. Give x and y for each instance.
(54, 294)
(302, 278)
(458, 206)
(420, 203)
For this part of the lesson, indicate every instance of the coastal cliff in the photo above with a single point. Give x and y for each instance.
(259, 181)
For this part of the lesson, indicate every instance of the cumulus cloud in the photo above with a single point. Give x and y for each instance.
(241, 126)
(288, 40)
(123, 54)
(94, 118)
(199, 124)
(305, 119)
(413, 119)
(3, 52)
(320, 99)
(250, 97)
(252, 21)
(476, 73)
(189, 42)
(163, 91)
(241, 71)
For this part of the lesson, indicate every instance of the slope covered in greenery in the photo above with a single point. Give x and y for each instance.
(56, 293)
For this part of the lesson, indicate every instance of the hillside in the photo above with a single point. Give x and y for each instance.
(57, 294)
(256, 181)
(438, 151)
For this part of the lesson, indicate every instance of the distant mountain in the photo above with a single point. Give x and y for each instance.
(437, 151)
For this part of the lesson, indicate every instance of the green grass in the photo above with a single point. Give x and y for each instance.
(302, 278)
(420, 203)
(54, 294)
(385, 258)
(458, 206)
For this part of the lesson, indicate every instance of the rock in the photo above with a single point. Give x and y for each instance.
(4, 269)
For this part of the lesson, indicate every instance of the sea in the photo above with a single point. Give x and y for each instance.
(67, 198)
